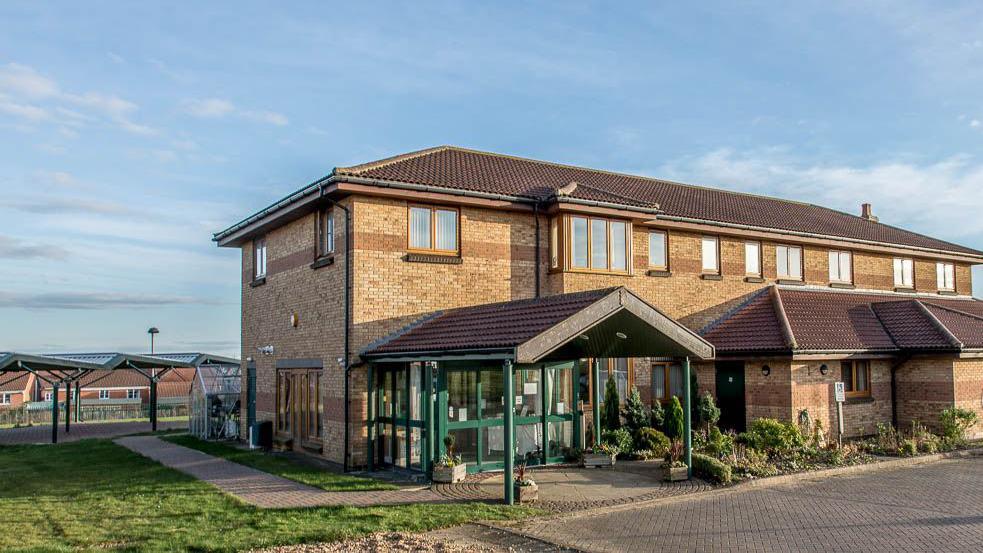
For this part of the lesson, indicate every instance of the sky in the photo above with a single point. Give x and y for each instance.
(130, 132)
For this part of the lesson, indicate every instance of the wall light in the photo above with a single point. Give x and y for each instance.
(823, 369)
(765, 370)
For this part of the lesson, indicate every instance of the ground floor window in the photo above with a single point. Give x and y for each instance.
(856, 378)
(133, 394)
(667, 381)
(619, 369)
(103, 394)
(299, 409)
(5, 399)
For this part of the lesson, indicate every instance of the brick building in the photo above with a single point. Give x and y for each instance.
(459, 262)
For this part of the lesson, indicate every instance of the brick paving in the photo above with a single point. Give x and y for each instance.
(934, 506)
(262, 489)
(41, 434)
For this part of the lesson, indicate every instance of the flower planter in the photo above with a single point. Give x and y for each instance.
(676, 474)
(450, 475)
(527, 493)
(598, 460)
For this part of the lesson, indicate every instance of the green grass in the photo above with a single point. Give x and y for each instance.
(94, 495)
(281, 466)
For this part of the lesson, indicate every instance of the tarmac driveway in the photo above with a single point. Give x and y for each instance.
(930, 507)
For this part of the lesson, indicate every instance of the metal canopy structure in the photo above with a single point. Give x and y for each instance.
(67, 369)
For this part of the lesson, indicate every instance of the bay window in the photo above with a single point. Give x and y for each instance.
(945, 276)
(598, 244)
(433, 230)
(788, 260)
(840, 269)
(904, 273)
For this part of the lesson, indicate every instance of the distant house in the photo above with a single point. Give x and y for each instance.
(14, 392)
(126, 387)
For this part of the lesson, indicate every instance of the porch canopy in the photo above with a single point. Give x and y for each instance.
(611, 322)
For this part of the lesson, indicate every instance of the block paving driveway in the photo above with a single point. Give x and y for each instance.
(931, 507)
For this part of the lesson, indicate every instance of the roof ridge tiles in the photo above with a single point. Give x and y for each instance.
(940, 326)
(782, 316)
(379, 163)
(957, 311)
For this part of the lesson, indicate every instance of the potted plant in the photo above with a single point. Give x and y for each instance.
(600, 455)
(449, 469)
(524, 488)
(676, 470)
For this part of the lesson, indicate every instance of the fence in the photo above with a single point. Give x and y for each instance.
(32, 414)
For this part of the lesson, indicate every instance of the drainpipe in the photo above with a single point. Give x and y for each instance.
(535, 214)
(348, 318)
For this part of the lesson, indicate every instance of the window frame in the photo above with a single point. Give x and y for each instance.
(326, 232)
(760, 259)
(839, 253)
(260, 244)
(943, 272)
(667, 378)
(788, 248)
(556, 241)
(610, 367)
(433, 250)
(851, 386)
(568, 245)
(6, 398)
(900, 262)
(716, 240)
(133, 393)
(48, 396)
(665, 250)
(104, 395)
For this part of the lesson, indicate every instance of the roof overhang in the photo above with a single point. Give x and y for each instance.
(25, 362)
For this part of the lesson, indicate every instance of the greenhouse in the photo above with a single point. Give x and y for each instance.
(214, 409)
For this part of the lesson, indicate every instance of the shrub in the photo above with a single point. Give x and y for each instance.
(657, 416)
(636, 414)
(653, 441)
(674, 420)
(749, 462)
(955, 421)
(908, 448)
(707, 411)
(718, 444)
(611, 414)
(772, 437)
(619, 438)
(711, 469)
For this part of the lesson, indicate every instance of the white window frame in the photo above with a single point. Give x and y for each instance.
(6, 398)
(748, 256)
(259, 258)
(710, 244)
(945, 276)
(326, 232)
(900, 265)
(47, 396)
(133, 393)
(783, 255)
(841, 266)
(104, 394)
(656, 236)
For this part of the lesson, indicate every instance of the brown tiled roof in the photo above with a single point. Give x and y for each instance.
(462, 169)
(846, 321)
(487, 327)
(129, 378)
(17, 385)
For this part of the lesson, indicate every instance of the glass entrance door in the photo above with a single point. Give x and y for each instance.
(399, 406)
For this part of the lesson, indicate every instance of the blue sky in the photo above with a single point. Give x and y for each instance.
(131, 132)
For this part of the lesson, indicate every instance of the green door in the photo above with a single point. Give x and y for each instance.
(730, 394)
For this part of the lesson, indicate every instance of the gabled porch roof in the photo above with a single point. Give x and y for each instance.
(611, 322)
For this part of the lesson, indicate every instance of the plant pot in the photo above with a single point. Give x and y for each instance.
(450, 475)
(598, 460)
(676, 474)
(526, 494)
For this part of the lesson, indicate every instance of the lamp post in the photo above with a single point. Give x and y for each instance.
(153, 331)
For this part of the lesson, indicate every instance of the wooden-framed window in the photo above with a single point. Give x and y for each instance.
(856, 378)
(788, 260)
(904, 273)
(104, 394)
(325, 232)
(259, 258)
(555, 243)
(667, 381)
(621, 369)
(752, 258)
(433, 230)
(710, 254)
(840, 267)
(598, 244)
(945, 276)
(659, 250)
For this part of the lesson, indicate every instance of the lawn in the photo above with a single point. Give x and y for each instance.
(281, 466)
(95, 495)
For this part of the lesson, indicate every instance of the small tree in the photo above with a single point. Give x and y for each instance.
(657, 416)
(708, 411)
(611, 415)
(674, 420)
(636, 414)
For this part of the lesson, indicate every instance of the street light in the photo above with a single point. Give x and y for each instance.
(152, 331)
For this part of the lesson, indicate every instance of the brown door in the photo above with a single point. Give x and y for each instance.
(300, 408)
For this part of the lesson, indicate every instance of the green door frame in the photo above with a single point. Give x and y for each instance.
(377, 379)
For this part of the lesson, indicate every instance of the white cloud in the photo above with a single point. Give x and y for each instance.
(974, 123)
(270, 117)
(24, 111)
(216, 108)
(25, 81)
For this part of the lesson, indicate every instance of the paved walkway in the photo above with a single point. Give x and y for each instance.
(930, 507)
(41, 434)
(262, 489)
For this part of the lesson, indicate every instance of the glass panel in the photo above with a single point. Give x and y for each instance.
(834, 266)
(385, 443)
(492, 399)
(846, 374)
(416, 388)
(462, 395)
(446, 230)
(400, 450)
(908, 272)
(619, 246)
(320, 406)
(385, 408)
(676, 381)
(862, 376)
(658, 382)
(584, 383)
(709, 254)
(400, 400)
(554, 243)
(898, 272)
(598, 244)
(752, 258)
(328, 232)
(561, 391)
(560, 438)
(466, 444)
(493, 440)
(416, 447)
(657, 249)
(420, 228)
(795, 262)
(602, 376)
(845, 271)
(312, 430)
(528, 391)
(620, 373)
(781, 261)
(950, 276)
(528, 440)
(578, 242)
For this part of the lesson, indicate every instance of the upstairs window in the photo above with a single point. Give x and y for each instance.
(946, 276)
(259, 258)
(752, 259)
(325, 231)
(789, 262)
(599, 244)
(658, 248)
(711, 255)
(433, 230)
(554, 243)
(856, 378)
(840, 269)
(904, 273)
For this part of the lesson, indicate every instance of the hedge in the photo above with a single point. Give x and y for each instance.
(711, 469)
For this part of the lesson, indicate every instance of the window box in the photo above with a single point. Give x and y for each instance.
(450, 475)
(658, 273)
(598, 460)
(323, 261)
(433, 258)
(677, 474)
